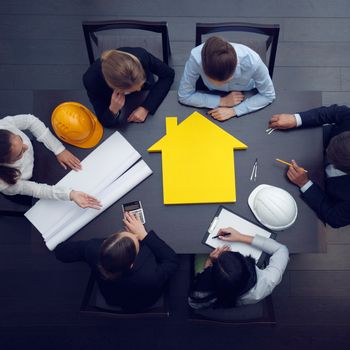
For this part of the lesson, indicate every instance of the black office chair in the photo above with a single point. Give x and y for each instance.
(14, 205)
(105, 35)
(94, 304)
(270, 34)
(253, 314)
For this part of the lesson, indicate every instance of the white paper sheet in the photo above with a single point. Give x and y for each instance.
(229, 219)
(108, 196)
(101, 168)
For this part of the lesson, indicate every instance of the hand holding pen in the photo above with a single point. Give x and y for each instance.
(229, 234)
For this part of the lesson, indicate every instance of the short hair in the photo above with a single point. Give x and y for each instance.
(117, 254)
(219, 59)
(233, 275)
(121, 70)
(338, 151)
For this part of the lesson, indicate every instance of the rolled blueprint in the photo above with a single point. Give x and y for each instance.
(101, 169)
(110, 195)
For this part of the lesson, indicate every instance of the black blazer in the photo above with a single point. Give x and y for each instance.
(142, 285)
(332, 205)
(100, 93)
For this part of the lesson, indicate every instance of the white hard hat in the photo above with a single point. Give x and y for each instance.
(274, 207)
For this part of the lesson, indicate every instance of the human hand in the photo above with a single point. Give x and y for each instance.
(234, 235)
(231, 99)
(282, 121)
(217, 251)
(117, 102)
(139, 115)
(84, 200)
(66, 158)
(297, 175)
(214, 255)
(134, 225)
(222, 113)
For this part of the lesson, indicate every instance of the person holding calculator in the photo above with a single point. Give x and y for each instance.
(131, 267)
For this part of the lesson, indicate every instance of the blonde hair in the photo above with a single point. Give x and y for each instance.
(121, 70)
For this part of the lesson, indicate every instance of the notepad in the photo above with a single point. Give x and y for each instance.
(226, 218)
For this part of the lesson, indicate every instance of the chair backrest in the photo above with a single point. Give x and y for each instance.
(259, 313)
(95, 304)
(253, 40)
(105, 35)
(14, 205)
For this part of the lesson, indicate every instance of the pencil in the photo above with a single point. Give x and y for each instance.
(289, 164)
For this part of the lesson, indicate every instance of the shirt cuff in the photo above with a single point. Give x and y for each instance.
(298, 119)
(212, 101)
(306, 186)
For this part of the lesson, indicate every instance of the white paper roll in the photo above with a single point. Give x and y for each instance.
(100, 168)
(108, 174)
(110, 195)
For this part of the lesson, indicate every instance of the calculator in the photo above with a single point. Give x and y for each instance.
(135, 208)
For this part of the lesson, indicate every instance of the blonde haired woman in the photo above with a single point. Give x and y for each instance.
(121, 72)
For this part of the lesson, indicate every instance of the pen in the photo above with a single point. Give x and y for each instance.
(284, 162)
(224, 235)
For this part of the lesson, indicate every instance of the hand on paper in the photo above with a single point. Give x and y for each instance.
(67, 159)
(235, 236)
(282, 121)
(232, 99)
(84, 200)
(117, 102)
(215, 254)
(134, 225)
(139, 115)
(222, 113)
(297, 175)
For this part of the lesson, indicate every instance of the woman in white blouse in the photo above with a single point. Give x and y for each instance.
(230, 279)
(17, 161)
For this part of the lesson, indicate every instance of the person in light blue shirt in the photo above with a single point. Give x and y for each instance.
(226, 67)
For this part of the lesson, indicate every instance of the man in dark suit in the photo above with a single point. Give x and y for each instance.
(332, 205)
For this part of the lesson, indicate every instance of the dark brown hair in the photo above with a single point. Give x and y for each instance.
(121, 70)
(233, 275)
(8, 174)
(338, 151)
(117, 254)
(219, 59)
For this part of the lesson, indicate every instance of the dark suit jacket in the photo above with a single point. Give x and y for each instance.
(142, 285)
(332, 205)
(100, 93)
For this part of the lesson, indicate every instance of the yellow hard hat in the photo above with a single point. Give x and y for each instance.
(77, 125)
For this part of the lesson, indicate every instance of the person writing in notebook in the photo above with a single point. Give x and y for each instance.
(131, 267)
(17, 162)
(331, 204)
(121, 72)
(230, 279)
(230, 69)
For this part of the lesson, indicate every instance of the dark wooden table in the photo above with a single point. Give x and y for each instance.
(183, 226)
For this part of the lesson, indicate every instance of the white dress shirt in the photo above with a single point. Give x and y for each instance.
(250, 73)
(25, 165)
(271, 276)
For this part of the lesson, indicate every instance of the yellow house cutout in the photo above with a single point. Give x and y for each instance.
(197, 161)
